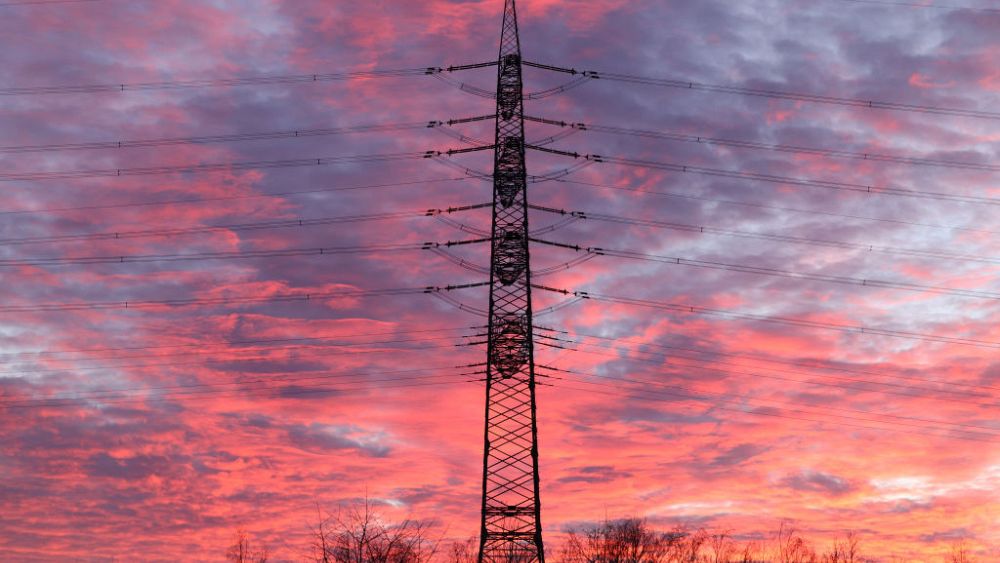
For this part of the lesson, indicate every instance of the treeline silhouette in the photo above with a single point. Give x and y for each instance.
(360, 534)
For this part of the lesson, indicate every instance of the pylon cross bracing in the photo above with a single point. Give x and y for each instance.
(511, 513)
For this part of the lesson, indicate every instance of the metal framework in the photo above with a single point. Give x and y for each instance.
(511, 515)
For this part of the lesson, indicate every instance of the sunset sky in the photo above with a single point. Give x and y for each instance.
(805, 346)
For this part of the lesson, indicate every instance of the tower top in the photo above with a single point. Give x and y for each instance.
(510, 42)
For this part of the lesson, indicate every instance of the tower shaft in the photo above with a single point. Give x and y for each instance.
(511, 513)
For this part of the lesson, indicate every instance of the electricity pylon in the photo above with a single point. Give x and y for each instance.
(511, 515)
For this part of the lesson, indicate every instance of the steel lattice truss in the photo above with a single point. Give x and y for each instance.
(511, 526)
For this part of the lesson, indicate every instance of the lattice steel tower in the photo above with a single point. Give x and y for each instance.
(511, 517)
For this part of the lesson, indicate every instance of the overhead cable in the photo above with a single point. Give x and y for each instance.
(229, 358)
(775, 179)
(231, 227)
(204, 347)
(634, 189)
(703, 229)
(772, 93)
(301, 296)
(790, 321)
(795, 149)
(777, 272)
(199, 256)
(189, 201)
(211, 139)
(235, 81)
(208, 167)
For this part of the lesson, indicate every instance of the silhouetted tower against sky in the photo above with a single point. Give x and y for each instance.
(511, 525)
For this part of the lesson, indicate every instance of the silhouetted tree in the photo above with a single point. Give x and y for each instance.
(960, 553)
(845, 551)
(723, 547)
(323, 538)
(752, 552)
(360, 535)
(633, 541)
(684, 546)
(619, 541)
(791, 547)
(243, 552)
(464, 552)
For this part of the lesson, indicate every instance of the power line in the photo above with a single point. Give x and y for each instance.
(215, 82)
(807, 182)
(228, 255)
(275, 79)
(232, 198)
(446, 127)
(778, 179)
(815, 151)
(233, 227)
(464, 87)
(442, 126)
(703, 229)
(489, 94)
(240, 355)
(201, 345)
(210, 139)
(208, 167)
(269, 355)
(777, 208)
(769, 93)
(542, 94)
(164, 303)
(803, 323)
(199, 256)
(531, 178)
(747, 269)
(213, 301)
